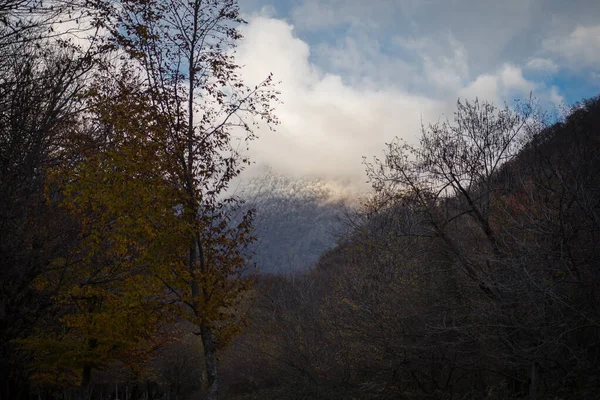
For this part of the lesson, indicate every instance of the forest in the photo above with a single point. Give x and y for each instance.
(127, 268)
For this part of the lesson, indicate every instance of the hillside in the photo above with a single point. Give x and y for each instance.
(487, 290)
(297, 219)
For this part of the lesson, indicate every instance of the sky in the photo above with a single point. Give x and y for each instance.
(354, 74)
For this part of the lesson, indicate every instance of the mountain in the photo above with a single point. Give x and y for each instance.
(297, 219)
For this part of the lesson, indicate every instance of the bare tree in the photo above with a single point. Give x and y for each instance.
(451, 176)
(40, 101)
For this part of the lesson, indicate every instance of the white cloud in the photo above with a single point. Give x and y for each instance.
(554, 32)
(513, 80)
(270, 46)
(484, 87)
(556, 98)
(542, 65)
(360, 60)
(359, 98)
(444, 60)
(485, 28)
(579, 49)
(500, 86)
(314, 15)
(327, 126)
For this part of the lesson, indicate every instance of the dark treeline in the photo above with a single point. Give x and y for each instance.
(126, 271)
(473, 273)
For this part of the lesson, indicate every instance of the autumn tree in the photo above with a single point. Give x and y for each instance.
(184, 50)
(106, 300)
(134, 168)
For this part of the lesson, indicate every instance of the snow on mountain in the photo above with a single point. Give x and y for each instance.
(297, 219)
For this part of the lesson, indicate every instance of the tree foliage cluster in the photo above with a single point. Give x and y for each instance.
(121, 257)
(472, 273)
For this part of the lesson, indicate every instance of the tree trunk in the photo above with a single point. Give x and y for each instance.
(210, 358)
(86, 375)
(533, 382)
(208, 340)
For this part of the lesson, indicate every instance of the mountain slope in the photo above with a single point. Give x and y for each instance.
(296, 220)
